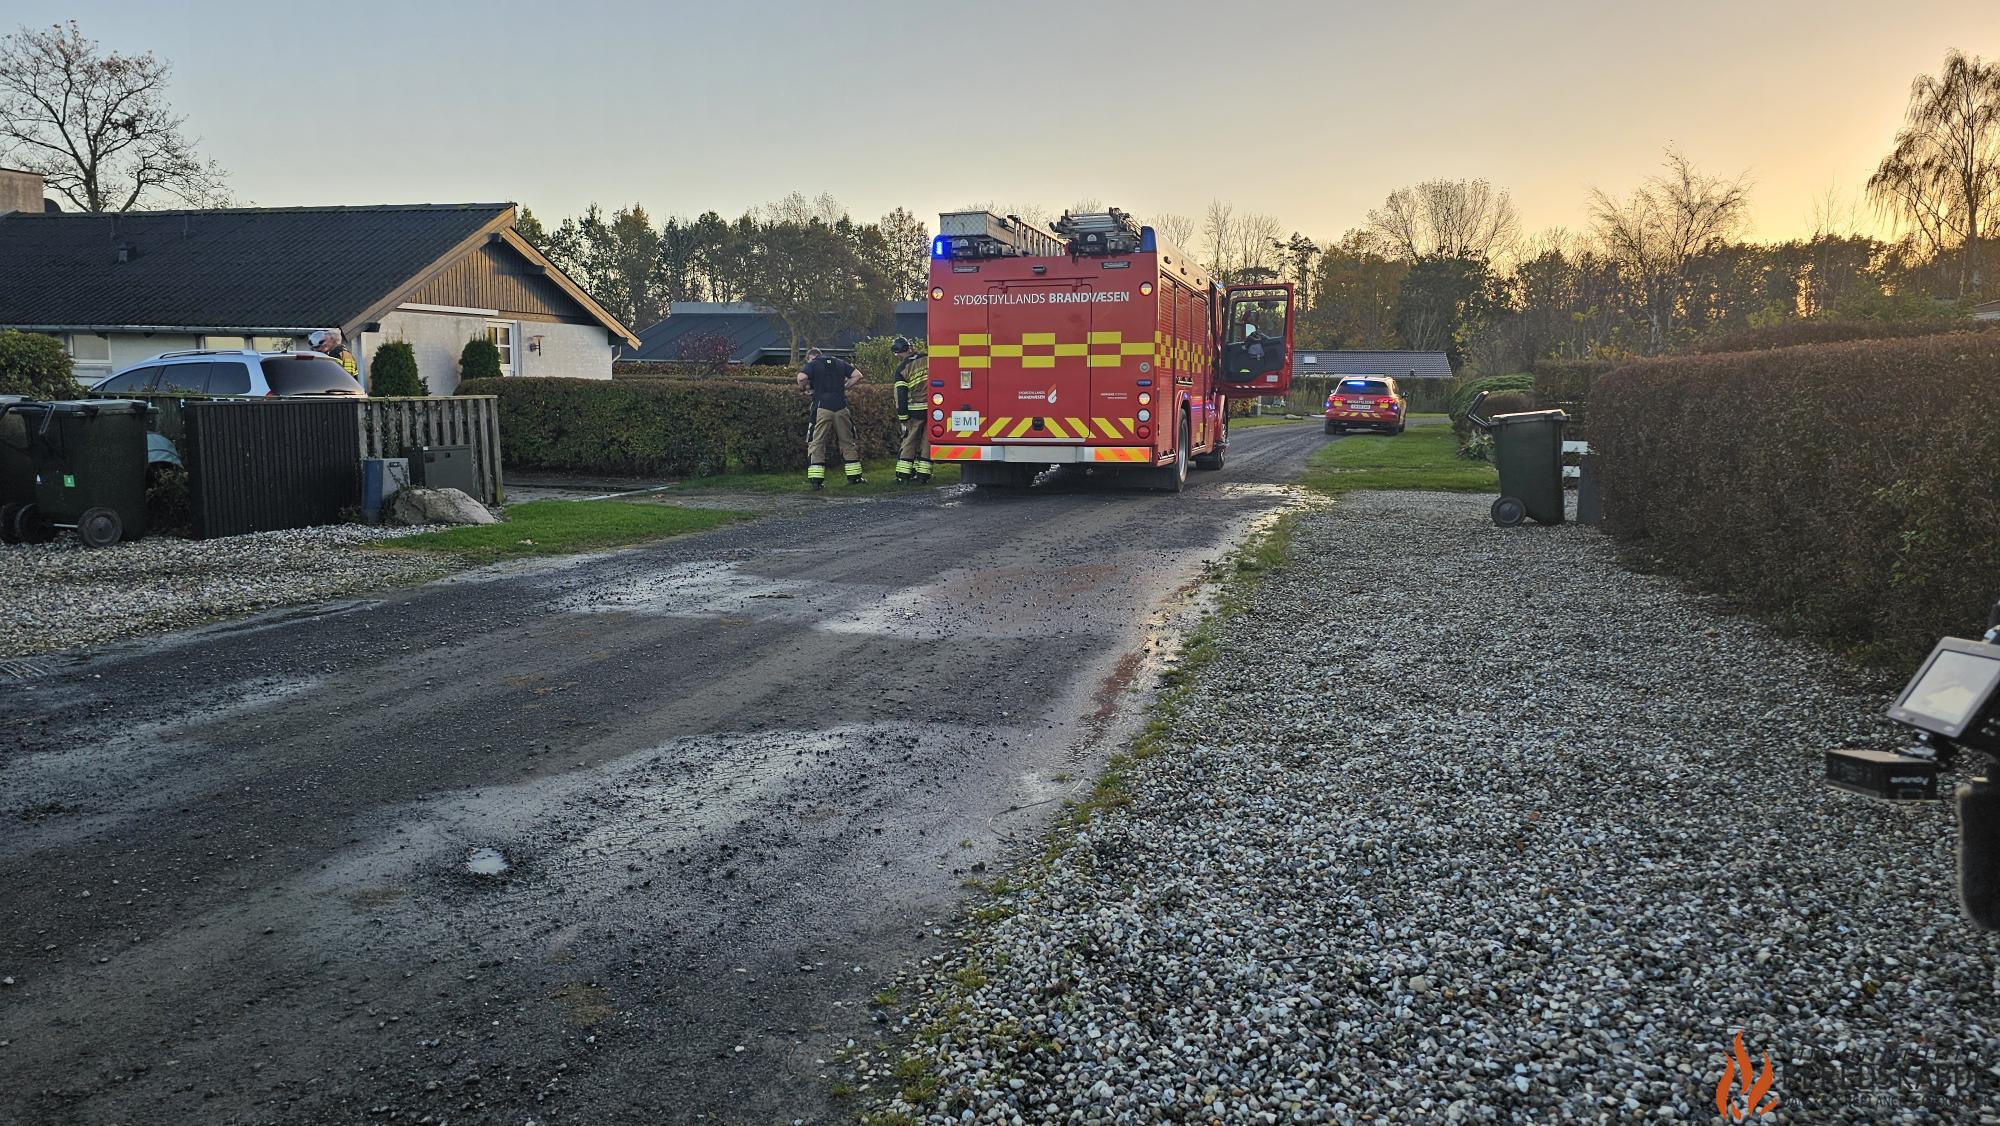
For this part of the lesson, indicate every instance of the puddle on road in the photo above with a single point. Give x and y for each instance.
(486, 862)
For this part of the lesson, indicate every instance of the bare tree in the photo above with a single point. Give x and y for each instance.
(1667, 222)
(1447, 219)
(1218, 235)
(1943, 176)
(1254, 246)
(796, 208)
(1174, 230)
(97, 127)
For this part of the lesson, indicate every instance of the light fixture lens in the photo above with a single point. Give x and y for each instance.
(1145, 398)
(937, 293)
(937, 400)
(1145, 416)
(937, 416)
(1145, 289)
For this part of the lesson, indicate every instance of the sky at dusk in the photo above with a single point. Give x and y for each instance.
(1310, 112)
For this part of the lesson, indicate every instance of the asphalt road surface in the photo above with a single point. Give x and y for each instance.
(736, 779)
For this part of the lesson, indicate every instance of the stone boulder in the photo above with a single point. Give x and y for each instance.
(437, 506)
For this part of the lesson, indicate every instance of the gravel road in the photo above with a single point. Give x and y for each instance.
(737, 779)
(1465, 824)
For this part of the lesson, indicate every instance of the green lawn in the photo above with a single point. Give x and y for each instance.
(880, 476)
(562, 527)
(1422, 457)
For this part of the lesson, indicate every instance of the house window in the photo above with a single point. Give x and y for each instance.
(89, 347)
(501, 333)
(221, 343)
(273, 343)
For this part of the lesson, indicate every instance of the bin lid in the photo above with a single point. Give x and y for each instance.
(100, 406)
(1528, 416)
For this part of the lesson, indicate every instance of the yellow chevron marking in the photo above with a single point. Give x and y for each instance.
(1078, 428)
(1110, 430)
(1130, 426)
(999, 424)
(1055, 429)
(1023, 428)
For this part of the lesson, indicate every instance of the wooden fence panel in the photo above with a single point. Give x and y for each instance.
(390, 427)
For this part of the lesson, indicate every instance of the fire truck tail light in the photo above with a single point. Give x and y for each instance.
(1145, 416)
(937, 431)
(937, 293)
(1145, 432)
(1145, 399)
(937, 400)
(1145, 289)
(937, 416)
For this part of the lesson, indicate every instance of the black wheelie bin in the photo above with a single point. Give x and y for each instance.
(1528, 452)
(88, 462)
(17, 472)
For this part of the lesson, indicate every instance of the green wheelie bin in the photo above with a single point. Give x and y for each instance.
(1528, 452)
(17, 471)
(88, 462)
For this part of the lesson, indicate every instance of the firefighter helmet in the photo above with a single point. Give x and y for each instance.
(900, 345)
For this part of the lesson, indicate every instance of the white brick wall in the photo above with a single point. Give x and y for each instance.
(570, 351)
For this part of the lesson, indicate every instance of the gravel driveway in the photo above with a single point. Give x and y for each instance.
(63, 595)
(1467, 824)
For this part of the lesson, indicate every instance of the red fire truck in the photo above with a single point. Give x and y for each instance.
(1090, 341)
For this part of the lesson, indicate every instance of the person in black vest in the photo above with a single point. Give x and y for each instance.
(826, 379)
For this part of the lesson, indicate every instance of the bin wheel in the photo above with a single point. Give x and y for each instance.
(29, 527)
(1509, 511)
(7, 521)
(100, 527)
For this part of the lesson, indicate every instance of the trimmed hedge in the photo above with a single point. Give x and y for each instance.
(668, 427)
(1848, 488)
(36, 365)
(1794, 333)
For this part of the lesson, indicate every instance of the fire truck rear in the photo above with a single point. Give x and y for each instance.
(1090, 342)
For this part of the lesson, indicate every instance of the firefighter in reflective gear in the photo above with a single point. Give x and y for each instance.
(913, 457)
(826, 379)
(327, 342)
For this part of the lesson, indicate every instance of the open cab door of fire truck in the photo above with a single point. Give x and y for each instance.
(1257, 340)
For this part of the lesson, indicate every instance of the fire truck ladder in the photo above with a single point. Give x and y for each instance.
(982, 234)
(1099, 232)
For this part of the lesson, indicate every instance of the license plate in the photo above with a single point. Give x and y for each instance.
(965, 422)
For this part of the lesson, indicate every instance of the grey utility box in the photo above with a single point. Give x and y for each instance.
(446, 467)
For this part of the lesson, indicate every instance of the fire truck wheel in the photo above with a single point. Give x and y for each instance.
(1208, 461)
(1173, 478)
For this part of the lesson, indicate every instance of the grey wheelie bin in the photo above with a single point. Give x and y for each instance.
(88, 462)
(1528, 451)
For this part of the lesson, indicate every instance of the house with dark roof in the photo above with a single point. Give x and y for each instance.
(754, 333)
(1390, 365)
(121, 288)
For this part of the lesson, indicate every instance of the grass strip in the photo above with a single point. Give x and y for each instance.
(1422, 457)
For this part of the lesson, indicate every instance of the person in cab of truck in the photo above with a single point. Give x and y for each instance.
(826, 379)
(327, 342)
(913, 456)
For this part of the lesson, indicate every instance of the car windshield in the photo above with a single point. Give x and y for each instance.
(1363, 387)
(308, 375)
